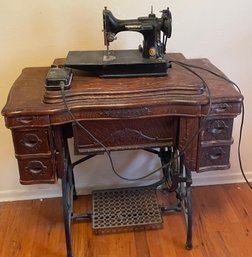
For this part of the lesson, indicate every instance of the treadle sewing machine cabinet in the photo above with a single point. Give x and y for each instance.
(185, 118)
(151, 113)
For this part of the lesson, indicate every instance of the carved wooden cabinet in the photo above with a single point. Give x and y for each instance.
(129, 113)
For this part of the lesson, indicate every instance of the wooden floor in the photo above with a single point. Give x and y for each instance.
(222, 226)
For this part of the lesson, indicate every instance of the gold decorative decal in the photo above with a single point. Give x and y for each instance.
(133, 26)
(152, 51)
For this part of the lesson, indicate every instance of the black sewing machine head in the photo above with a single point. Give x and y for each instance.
(150, 26)
(148, 60)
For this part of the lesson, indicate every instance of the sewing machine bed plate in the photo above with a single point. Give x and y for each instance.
(128, 63)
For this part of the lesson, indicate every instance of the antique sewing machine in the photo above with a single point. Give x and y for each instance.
(173, 117)
(147, 60)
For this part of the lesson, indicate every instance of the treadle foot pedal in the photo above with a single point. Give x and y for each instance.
(125, 209)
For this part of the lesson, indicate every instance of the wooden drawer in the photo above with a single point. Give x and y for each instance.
(122, 134)
(217, 129)
(36, 170)
(29, 121)
(31, 141)
(214, 157)
(225, 108)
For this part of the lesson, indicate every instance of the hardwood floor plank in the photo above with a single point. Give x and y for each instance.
(49, 230)
(142, 247)
(216, 222)
(160, 241)
(21, 229)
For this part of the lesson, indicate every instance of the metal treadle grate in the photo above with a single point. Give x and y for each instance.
(122, 209)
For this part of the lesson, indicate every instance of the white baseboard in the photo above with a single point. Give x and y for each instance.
(41, 192)
(89, 189)
(219, 177)
(29, 194)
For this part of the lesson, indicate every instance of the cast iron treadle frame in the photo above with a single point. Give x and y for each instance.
(176, 179)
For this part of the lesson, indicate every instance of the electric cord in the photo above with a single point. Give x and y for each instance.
(242, 111)
(165, 164)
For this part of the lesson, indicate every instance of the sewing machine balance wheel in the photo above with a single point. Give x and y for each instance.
(172, 164)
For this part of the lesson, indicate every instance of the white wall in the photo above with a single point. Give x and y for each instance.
(33, 33)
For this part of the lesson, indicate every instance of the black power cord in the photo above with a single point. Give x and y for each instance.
(182, 64)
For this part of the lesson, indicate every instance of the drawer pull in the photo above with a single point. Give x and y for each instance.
(25, 120)
(217, 127)
(216, 154)
(219, 108)
(217, 130)
(30, 140)
(36, 167)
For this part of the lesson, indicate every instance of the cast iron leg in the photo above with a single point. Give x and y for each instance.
(185, 201)
(68, 189)
(73, 183)
(189, 219)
